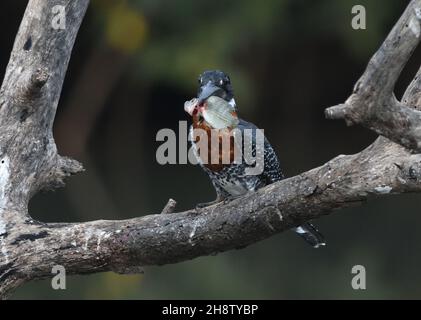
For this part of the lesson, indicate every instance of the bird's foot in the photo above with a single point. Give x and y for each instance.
(230, 198)
(218, 200)
(211, 203)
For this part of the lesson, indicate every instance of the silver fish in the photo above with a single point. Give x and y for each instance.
(219, 113)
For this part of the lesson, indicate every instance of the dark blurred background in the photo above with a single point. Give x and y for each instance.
(133, 66)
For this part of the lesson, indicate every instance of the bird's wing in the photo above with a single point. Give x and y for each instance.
(272, 168)
(272, 171)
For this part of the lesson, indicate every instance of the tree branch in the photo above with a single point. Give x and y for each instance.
(373, 103)
(29, 162)
(29, 96)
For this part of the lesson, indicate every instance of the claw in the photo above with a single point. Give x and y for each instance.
(207, 204)
(211, 203)
(230, 198)
(218, 200)
(226, 200)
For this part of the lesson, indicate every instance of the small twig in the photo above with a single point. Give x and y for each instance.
(169, 207)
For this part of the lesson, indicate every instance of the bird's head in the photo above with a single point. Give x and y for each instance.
(215, 101)
(215, 83)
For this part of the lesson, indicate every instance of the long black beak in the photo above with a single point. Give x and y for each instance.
(206, 91)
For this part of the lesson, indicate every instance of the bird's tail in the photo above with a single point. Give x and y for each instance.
(310, 234)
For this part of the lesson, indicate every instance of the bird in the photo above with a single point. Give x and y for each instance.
(215, 110)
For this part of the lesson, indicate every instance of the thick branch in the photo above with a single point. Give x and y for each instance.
(28, 100)
(168, 238)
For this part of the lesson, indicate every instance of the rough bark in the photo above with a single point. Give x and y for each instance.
(30, 162)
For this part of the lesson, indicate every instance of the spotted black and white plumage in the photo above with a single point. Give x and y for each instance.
(232, 181)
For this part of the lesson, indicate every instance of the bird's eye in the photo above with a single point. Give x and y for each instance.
(200, 80)
(221, 82)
